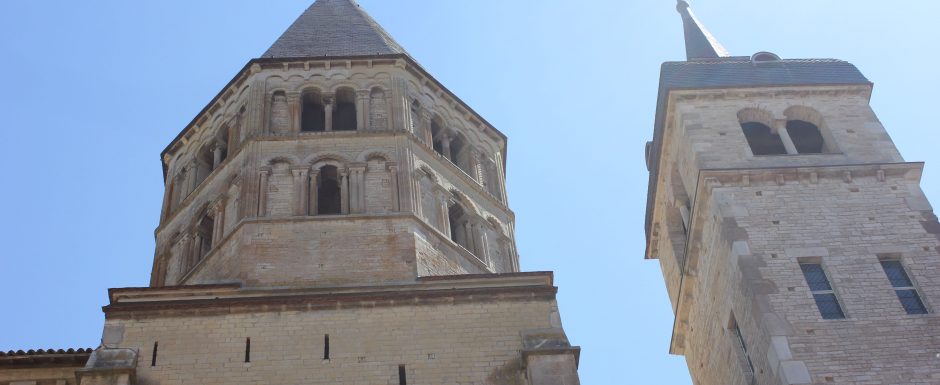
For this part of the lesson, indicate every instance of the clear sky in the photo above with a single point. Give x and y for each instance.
(94, 90)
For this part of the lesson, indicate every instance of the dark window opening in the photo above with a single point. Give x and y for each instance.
(326, 346)
(460, 155)
(904, 287)
(402, 376)
(805, 136)
(742, 346)
(248, 349)
(344, 115)
(459, 229)
(762, 140)
(312, 115)
(825, 297)
(329, 200)
(436, 137)
(153, 359)
(205, 232)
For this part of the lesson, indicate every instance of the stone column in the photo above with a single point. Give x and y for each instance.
(468, 237)
(328, 112)
(312, 189)
(263, 191)
(479, 242)
(218, 221)
(425, 122)
(360, 189)
(781, 126)
(445, 146)
(186, 247)
(344, 191)
(353, 190)
(476, 165)
(393, 188)
(191, 171)
(362, 110)
(217, 149)
(196, 253)
(295, 102)
(445, 219)
(301, 187)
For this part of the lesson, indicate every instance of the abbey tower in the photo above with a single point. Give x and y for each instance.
(334, 215)
(795, 242)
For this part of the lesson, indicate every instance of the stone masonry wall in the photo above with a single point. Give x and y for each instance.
(468, 343)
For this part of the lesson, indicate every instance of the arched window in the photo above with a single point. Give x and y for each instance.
(312, 115)
(762, 139)
(460, 154)
(204, 162)
(204, 237)
(329, 198)
(437, 136)
(459, 230)
(806, 137)
(344, 116)
(220, 152)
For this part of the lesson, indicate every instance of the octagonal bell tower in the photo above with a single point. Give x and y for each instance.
(333, 159)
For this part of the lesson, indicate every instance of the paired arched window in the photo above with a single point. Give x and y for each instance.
(312, 113)
(344, 116)
(204, 232)
(800, 133)
(329, 198)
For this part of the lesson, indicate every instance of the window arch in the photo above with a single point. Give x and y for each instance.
(807, 130)
(459, 224)
(312, 113)
(438, 137)
(757, 126)
(204, 237)
(329, 191)
(344, 114)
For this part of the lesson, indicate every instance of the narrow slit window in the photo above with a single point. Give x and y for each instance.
(402, 376)
(153, 359)
(326, 346)
(903, 287)
(822, 291)
(742, 346)
(247, 349)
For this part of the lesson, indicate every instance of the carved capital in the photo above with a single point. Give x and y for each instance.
(264, 170)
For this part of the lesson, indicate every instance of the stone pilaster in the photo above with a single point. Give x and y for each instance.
(263, 175)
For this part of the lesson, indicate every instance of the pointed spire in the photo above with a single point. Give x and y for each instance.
(699, 43)
(334, 28)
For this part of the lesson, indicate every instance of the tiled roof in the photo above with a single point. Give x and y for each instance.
(45, 356)
(331, 28)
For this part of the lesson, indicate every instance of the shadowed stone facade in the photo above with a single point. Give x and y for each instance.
(796, 244)
(333, 216)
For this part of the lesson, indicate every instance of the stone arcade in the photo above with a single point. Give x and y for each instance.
(334, 215)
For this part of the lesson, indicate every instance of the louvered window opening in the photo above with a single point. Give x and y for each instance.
(825, 297)
(903, 287)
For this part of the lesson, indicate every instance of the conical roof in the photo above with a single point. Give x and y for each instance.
(699, 43)
(331, 28)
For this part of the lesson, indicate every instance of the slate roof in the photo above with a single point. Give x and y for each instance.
(699, 43)
(331, 28)
(738, 72)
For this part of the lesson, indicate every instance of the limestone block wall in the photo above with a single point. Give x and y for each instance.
(459, 343)
(754, 237)
(709, 122)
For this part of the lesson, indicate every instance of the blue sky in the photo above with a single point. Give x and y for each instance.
(94, 90)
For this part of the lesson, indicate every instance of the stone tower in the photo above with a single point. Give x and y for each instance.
(335, 215)
(795, 242)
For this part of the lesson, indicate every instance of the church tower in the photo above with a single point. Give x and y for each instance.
(795, 242)
(335, 215)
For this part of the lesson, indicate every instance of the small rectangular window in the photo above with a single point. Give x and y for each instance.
(822, 291)
(903, 287)
(742, 346)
